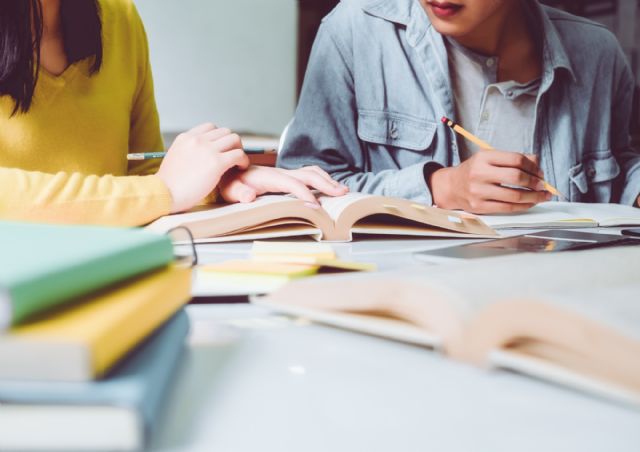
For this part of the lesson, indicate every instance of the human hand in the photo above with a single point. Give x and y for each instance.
(476, 185)
(244, 186)
(196, 162)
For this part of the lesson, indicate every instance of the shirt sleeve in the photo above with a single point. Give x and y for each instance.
(324, 130)
(626, 153)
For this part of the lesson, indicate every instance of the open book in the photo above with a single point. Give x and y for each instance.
(565, 215)
(572, 318)
(284, 216)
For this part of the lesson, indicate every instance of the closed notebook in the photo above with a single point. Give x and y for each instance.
(44, 266)
(338, 220)
(572, 318)
(84, 340)
(565, 215)
(117, 413)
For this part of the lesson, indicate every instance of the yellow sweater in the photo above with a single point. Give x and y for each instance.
(65, 160)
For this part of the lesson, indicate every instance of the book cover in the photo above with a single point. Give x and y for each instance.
(117, 413)
(43, 266)
(84, 340)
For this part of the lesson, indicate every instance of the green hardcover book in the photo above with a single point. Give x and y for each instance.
(44, 266)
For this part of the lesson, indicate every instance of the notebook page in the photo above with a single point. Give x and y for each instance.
(566, 215)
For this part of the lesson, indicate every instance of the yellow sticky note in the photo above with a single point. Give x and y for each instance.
(275, 250)
(252, 267)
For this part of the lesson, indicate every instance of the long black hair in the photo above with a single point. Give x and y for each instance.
(20, 35)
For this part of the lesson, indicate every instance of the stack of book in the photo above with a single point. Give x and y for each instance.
(91, 332)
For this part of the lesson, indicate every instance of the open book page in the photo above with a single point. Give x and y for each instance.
(475, 284)
(444, 299)
(377, 304)
(616, 308)
(267, 214)
(336, 206)
(567, 215)
(369, 214)
(588, 339)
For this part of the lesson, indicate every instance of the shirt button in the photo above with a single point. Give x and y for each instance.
(490, 62)
(591, 172)
(510, 93)
(485, 116)
(393, 132)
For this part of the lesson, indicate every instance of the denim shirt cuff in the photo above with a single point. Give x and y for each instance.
(631, 190)
(411, 184)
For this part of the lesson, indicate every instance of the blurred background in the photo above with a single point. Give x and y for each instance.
(240, 63)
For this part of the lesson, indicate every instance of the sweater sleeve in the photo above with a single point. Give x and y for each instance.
(74, 198)
(144, 133)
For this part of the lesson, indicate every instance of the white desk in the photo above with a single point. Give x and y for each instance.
(287, 387)
(272, 385)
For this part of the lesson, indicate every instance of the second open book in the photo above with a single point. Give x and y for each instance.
(572, 318)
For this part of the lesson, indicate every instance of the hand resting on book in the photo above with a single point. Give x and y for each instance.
(245, 186)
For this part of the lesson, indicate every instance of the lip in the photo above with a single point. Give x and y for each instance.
(444, 10)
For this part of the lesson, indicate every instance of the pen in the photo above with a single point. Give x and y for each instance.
(160, 155)
(486, 146)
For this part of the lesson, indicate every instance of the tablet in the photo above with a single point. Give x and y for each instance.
(540, 242)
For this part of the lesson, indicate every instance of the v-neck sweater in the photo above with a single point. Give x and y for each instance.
(65, 160)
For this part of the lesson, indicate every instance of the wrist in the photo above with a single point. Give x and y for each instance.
(439, 183)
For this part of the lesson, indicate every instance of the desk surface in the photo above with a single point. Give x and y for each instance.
(254, 381)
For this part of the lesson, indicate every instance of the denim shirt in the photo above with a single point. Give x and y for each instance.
(378, 83)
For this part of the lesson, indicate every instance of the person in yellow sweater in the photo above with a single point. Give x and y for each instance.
(76, 96)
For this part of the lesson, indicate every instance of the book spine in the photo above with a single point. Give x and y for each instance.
(50, 290)
(164, 371)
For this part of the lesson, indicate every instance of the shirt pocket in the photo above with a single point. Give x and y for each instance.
(395, 130)
(593, 178)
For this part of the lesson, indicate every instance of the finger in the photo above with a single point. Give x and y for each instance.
(514, 196)
(494, 207)
(517, 177)
(316, 181)
(234, 190)
(235, 157)
(285, 183)
(514, 160)
(322, 173)
(536, 161)
(228, 143)
(216, 134)
(202, 128)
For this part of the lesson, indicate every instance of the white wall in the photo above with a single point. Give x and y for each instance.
(227, 61)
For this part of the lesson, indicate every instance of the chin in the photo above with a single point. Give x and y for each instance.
(449, 29)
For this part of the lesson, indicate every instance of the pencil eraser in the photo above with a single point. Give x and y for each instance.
(444, 120)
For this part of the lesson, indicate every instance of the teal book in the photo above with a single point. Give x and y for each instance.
(117, 413)
(43, 266)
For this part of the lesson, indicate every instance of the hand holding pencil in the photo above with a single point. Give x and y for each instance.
(484, 183)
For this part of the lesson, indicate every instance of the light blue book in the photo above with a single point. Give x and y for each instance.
(117, 413)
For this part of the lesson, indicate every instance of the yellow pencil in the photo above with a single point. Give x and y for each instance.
(486, 146)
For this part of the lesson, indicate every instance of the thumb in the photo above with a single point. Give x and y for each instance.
(236, 191)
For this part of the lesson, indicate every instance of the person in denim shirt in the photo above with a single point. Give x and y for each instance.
(380, 78)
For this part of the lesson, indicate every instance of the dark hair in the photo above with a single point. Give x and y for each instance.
(20, 35)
